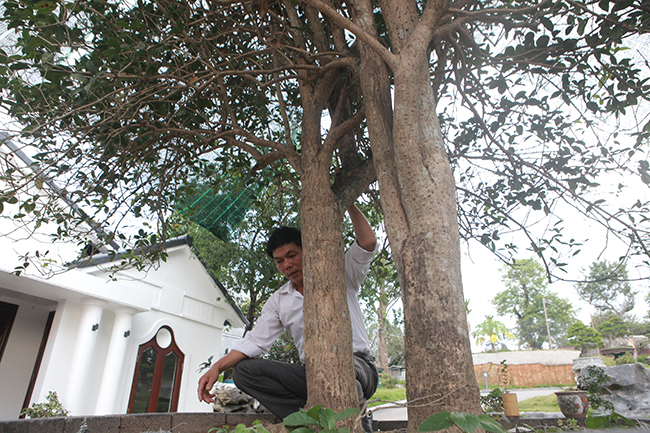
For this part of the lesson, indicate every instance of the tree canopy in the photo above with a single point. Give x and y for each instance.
(527, 298)
(491, 330)
(607, 288)
(583, 337)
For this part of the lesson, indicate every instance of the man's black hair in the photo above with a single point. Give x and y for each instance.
(282, 236)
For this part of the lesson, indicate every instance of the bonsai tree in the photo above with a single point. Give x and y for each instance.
(584, 338)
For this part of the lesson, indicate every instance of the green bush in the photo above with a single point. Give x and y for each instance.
(387, 381)
(52, 408)
(625, 359)
(492, 402)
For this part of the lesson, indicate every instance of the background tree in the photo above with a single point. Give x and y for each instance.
(612, 329)
(607, 288)
(491, 330)
(501, 93)
(524, 300)
(583, 338)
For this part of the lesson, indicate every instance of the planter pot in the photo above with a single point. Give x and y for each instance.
(510, 405)
(573, 404)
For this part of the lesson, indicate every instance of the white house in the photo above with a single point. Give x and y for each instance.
(128, 343)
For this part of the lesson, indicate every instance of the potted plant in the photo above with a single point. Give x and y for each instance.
(573, 402)
(510, 403)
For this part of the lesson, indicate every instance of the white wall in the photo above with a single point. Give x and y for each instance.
(21, 351)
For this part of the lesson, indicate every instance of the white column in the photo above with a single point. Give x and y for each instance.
(114, 362)
(79, 387)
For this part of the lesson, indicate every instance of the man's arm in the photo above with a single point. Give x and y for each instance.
(207, 381)
(362, 230)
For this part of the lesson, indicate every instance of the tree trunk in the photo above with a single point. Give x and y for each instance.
(439, 368)
(381, 331)
(418, 198)
(327, 326)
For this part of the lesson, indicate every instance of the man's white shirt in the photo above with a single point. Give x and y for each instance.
(283, 311)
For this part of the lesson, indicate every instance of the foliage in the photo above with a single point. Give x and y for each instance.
(467, 422)
(284, 349)
(607, 288)
(504, 377)
(51, 408)
(324, 419)
(387, 381)
(613, 328)
(524, 298)
(241, 428)
(493, 330)
(614, 420)
(493, 401)
(592, 381)
(583, 337)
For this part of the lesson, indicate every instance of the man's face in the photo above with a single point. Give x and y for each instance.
(288, 259)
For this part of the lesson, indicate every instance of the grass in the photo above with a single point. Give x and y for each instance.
(387, 394)
(545, 403)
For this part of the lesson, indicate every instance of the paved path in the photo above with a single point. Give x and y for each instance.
(396, 412)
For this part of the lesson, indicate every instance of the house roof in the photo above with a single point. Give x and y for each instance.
(100, 259)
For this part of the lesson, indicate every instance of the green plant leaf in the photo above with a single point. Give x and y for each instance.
(489, 424)
(465, 421)
(299, 419)
(437, 421)
(314, 412)
(347, 413)
(327, 418)
(303, 430)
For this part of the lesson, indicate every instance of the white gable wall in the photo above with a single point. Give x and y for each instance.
(179, 293)
(21, 350)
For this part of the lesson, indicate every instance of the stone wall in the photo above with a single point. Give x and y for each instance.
(181, 422)
(526, 375)
(527, 368)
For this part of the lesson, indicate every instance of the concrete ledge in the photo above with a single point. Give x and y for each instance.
(180, 422)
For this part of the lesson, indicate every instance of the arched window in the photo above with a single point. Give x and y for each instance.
(157, 377)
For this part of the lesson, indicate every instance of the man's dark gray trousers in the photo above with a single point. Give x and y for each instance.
(282, 387)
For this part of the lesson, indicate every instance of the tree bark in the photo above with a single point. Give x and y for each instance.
(327, 326)
(381, 330)
(418, 197)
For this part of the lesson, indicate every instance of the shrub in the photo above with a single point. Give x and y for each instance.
(492, 402)
(387, 381)
(625, 359)
(52, 408)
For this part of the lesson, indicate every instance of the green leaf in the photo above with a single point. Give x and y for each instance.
(303, 430)
(347, 413)
(299, 419)
(465, 421)
(314, 412)
(437, 421)
(327, 418)
(489, 424)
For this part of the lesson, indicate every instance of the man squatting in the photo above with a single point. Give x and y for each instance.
(282, 387)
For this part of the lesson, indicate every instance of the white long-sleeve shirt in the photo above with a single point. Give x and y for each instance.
(283, 311)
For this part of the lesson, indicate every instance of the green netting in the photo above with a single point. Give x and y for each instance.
(222, 211)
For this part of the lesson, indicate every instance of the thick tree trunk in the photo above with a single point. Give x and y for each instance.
(439, 370)
(419, 202)
(327, 328)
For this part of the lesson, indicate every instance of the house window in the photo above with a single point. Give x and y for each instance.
(157, 377)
